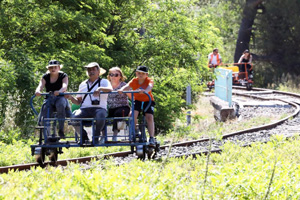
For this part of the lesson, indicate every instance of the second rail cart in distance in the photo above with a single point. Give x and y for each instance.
(50, 145)
(242, 74)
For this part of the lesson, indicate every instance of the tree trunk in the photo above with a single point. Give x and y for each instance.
(244, 36)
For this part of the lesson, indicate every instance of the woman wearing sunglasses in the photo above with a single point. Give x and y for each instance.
(117, 103)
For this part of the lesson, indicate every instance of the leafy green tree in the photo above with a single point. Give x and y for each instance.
(7, 85)
(271, 30)
(173, 38)
(277, 40)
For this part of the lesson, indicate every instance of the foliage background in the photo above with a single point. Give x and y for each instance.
(172, 38)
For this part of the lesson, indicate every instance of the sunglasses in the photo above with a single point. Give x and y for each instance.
(113, 75)
(52, 67)
(54, 62)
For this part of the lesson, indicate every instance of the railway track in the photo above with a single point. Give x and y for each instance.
(208, 145)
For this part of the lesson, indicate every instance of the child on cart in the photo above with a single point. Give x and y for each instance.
(142, 83)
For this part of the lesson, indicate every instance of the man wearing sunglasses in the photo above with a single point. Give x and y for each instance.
(95, 105)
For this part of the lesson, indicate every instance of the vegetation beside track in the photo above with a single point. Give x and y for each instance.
(237, 173)
(203, 125)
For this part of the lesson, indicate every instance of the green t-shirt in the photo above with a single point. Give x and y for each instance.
(74, 107)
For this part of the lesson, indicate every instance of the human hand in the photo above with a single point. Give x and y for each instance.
(56, 93)
(141, 91)
(38, 93)
(67, 96)
(120, 91)
(97, 92)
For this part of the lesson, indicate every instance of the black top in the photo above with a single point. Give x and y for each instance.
(51, 87)
(245, 60)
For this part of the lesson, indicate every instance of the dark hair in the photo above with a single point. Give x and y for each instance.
(142, 68)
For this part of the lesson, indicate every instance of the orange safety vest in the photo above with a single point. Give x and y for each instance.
(218, 59)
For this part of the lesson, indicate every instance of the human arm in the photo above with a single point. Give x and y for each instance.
(105, 86)
(250, 59)
(75, 100)
(79, 97)
(40, 87)
(122, 84)
(148, 89)
(241, 58)
(103, 89)
(124, 88)
(210, 59)
(220, 61)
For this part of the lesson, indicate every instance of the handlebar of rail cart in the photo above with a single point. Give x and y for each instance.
(73, 93)
(234, 64)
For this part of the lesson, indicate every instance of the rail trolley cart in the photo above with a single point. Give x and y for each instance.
(245, 75)
(242, 75)
(50, 145)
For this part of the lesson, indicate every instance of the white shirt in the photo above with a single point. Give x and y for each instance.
(214, 59)
(87, 103)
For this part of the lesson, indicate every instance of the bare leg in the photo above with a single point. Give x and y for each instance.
(150, 124)
(136, 113)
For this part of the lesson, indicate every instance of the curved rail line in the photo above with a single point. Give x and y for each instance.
(65, 162)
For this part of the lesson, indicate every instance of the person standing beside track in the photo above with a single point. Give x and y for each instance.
(92, 106)
(54, 81)
(214, 59)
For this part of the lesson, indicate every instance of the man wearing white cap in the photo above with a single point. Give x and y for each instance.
(92, 106)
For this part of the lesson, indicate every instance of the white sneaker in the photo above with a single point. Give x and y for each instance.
(101, 140)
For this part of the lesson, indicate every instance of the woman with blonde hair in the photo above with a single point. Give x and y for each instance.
(118, 105)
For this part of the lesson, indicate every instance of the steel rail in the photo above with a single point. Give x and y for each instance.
(65, 162)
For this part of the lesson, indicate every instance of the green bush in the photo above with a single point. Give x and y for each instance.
(237, 173)
(9, 136)
(168, 37)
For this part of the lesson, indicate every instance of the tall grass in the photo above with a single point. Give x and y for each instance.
(288, 83)
(237, 173)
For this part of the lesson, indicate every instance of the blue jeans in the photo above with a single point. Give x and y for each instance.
(98, 113)
(55, 103)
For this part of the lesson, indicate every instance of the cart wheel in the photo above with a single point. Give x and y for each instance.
(249, 86)
(140, 152)
(53, 155)
(40, 153)
(157, 147)
(151, 153)
(132, 149)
